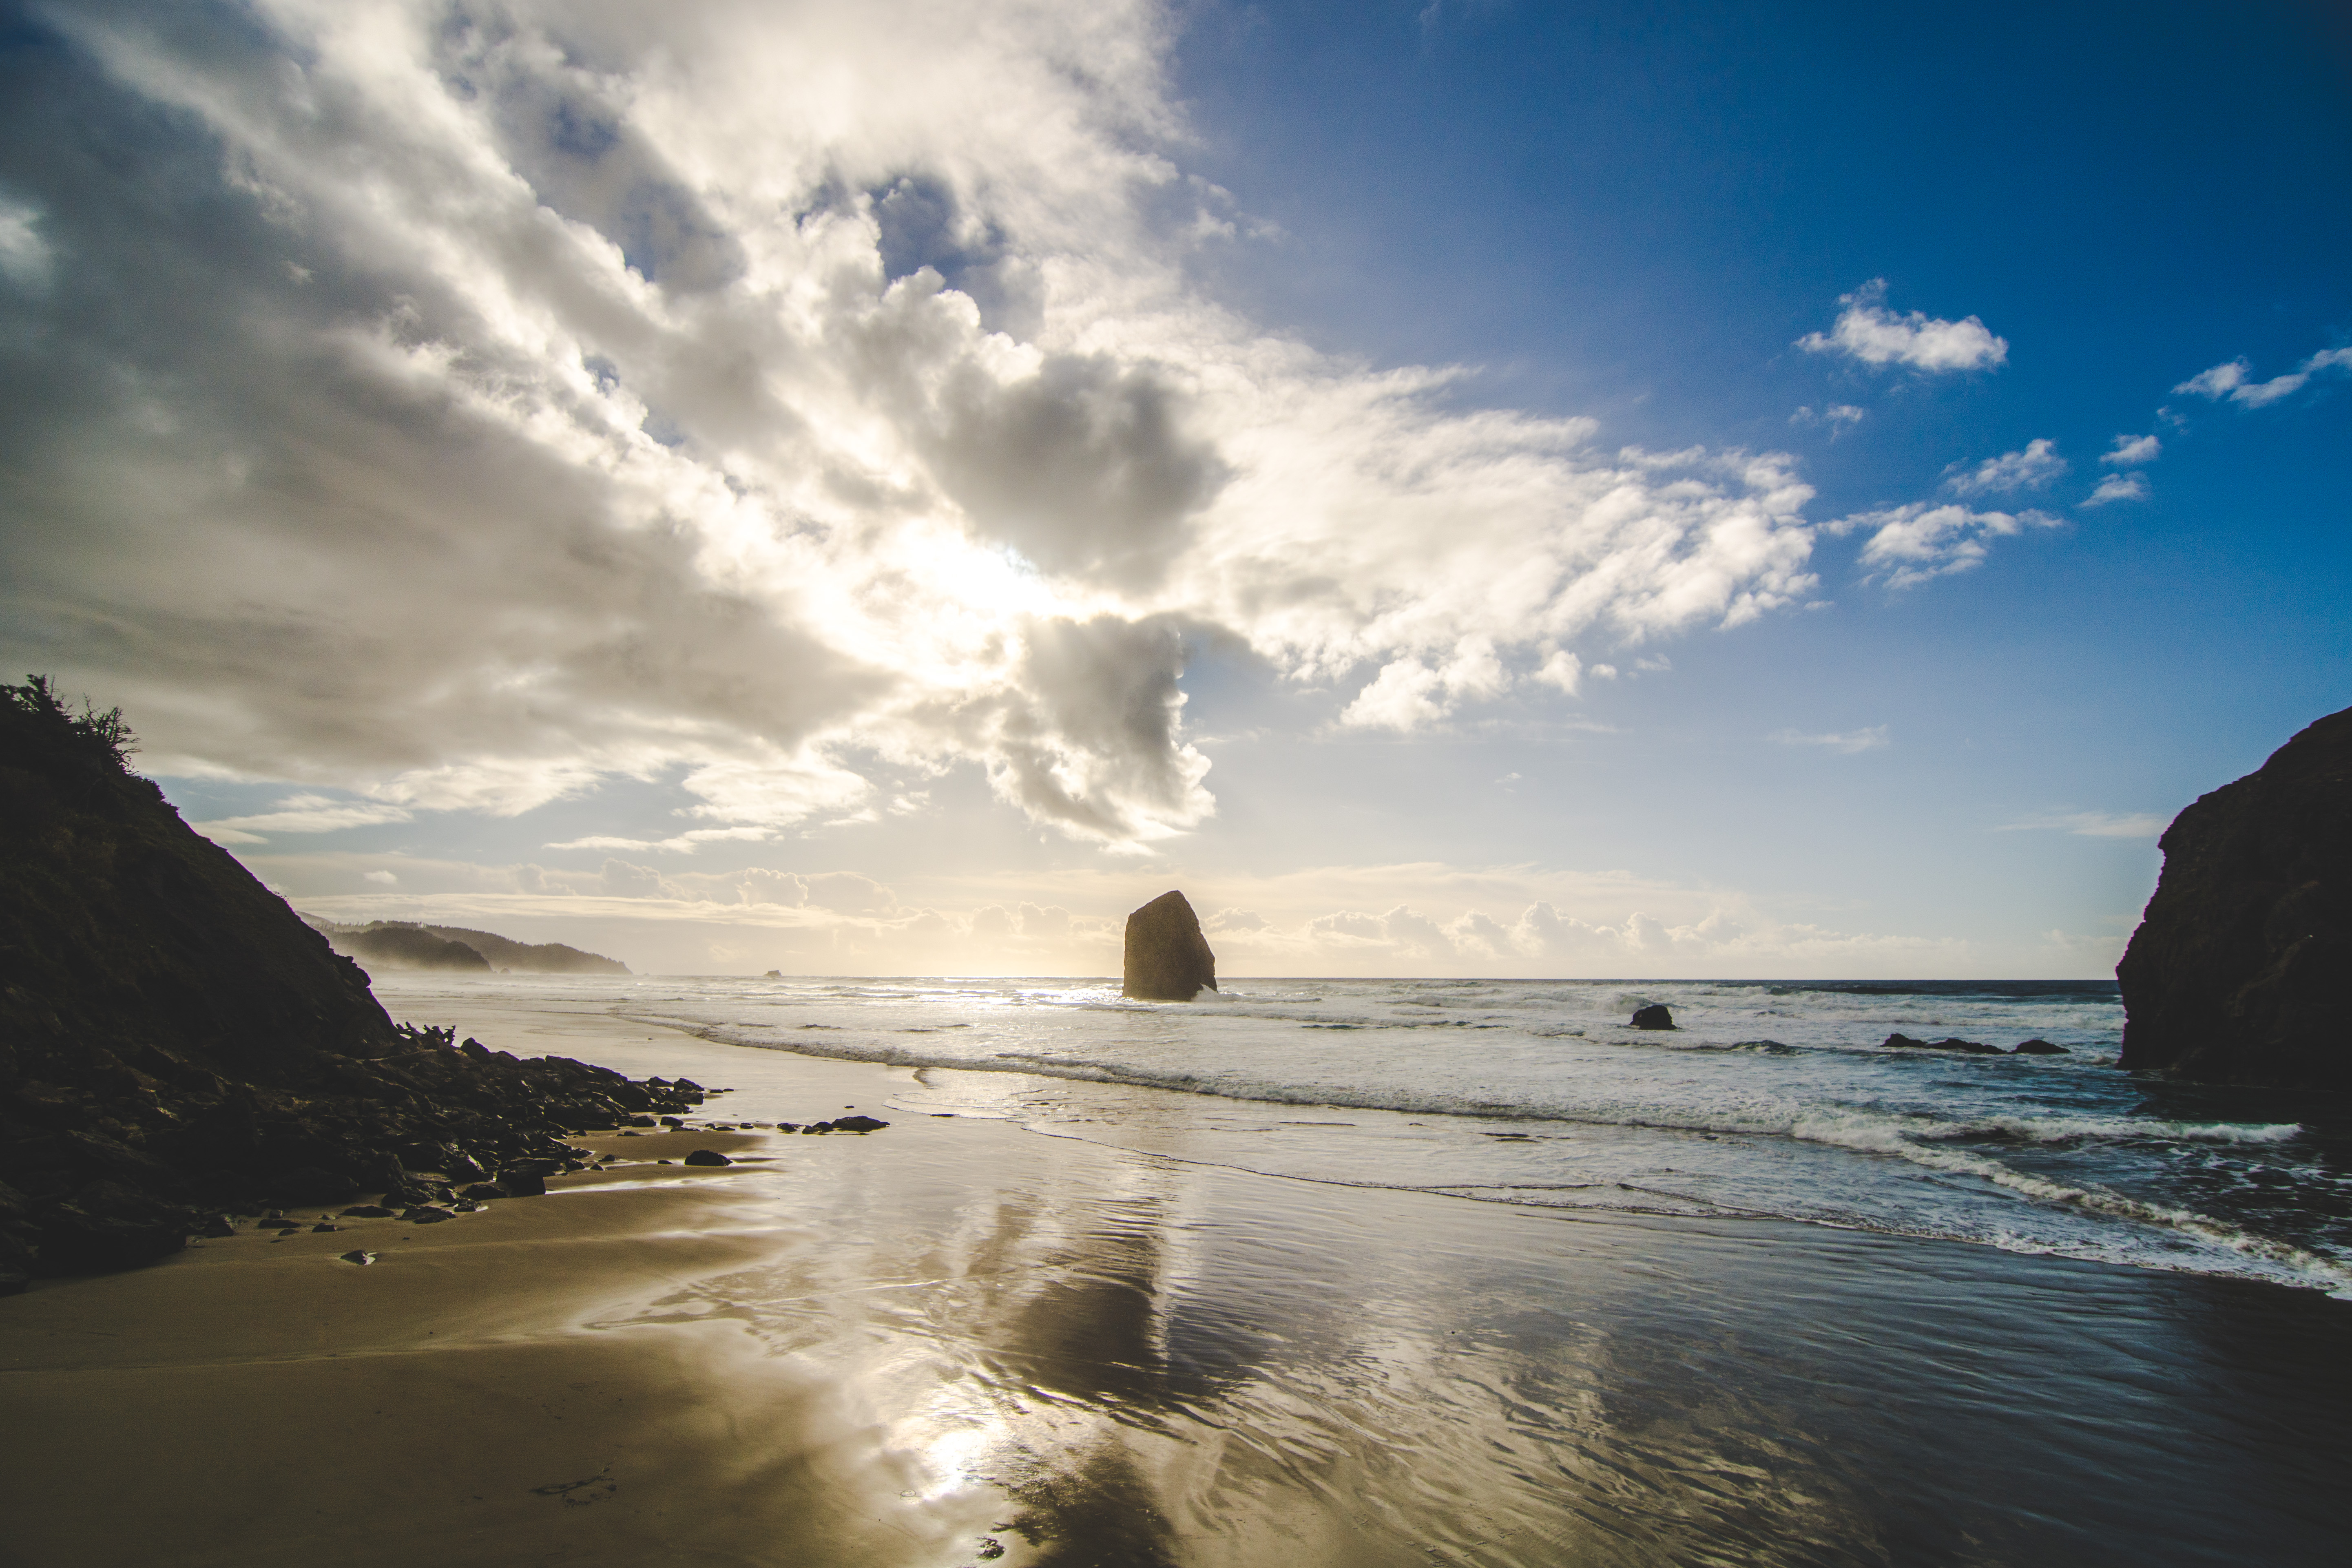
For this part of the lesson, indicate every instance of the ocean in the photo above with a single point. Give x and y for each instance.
(1770, 1099)
(1383, 1273)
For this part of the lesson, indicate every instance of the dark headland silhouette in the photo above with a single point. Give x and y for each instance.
(411, 944)
(2238, 972)
(1168, 959)
(174, 1042)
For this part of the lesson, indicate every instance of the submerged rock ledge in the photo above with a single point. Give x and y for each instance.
(175, 1041)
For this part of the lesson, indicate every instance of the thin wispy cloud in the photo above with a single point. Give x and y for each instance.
(301, 814)
(2030, 469)
(2093, 824)
(2130, 451)
(2233, 379)
(1865, 330)
(1850, 743)
(1840, 418)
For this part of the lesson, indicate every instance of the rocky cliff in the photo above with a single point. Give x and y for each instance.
(2238, 973)
(174, 1040)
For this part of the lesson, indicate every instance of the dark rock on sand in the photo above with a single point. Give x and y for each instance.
(360, 1257)
(857, 1124)
(175, 1042)
(1653, 1016)
(2236, 973)
(523, 1185)
(427, 1214)
(708, 1157)
(2039, 1048)
(485, 1192)
(322, 1228)
(1168, 959)
(1950, 1043)
(369, 1211)
(219, 1226)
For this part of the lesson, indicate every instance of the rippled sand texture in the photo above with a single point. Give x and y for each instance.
(899, 1348)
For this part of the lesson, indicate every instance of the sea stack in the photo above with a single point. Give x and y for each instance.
(2236, 974)
(1168, 959)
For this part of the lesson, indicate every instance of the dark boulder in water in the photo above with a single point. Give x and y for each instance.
(1901, 1042)
(1168, 959)
(2236, 973)
(1653, 1016)
(2038, 1047)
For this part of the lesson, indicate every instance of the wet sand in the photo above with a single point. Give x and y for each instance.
(954, 1338)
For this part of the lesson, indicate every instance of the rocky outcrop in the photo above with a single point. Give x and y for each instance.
(1901, 1042)
(1168, 959)
(174, 1041)
(2237, 972)
(1654, 1017)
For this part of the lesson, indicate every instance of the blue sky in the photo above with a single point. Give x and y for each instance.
(1615, 489)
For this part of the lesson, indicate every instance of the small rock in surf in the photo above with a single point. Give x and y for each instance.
(1653, 1016)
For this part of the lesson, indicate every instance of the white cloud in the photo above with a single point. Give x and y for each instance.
(381, 878)
(25, 258)
(2233, 379)
(1909, 545)
(1840, 418)
(1867, 331)
(782, 396)
(2095, 824)
(301, 814)
(2030, 469)
(1871, 737)
(2129, 451)
(2118, 486)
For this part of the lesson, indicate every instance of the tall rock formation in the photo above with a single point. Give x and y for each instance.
(2239, 971)
(1168, 959)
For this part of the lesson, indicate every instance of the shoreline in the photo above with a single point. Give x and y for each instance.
(901, 1347)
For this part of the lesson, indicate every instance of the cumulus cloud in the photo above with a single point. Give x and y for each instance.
(1867, 331)
(2130, 451)
(2233, 379)
(2117, 487)
(2030, 469)
(1910, 545)
(1871, 737)
(464, 406)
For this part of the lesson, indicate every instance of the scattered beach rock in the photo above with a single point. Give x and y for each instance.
(322, 1226)
(708, 1157)
(2235, 974)
(175, 1042)
(857, 1124)
(1950, 1043)
(484, 1192)
(369, 1211)
(1653, 1016)
(643, 1122)
(359, 1257)
(523, 1185)
(1167, 958)
(219, 1226)
(2039, 1048)
(427, 1214)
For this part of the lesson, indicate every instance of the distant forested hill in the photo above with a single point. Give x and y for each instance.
(406, 944)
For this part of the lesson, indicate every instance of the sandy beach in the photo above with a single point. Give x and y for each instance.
(954, 1341)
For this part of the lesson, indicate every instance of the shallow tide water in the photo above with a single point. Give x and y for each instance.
(1175, 1325)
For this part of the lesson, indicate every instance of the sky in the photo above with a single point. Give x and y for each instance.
(1458, 488)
